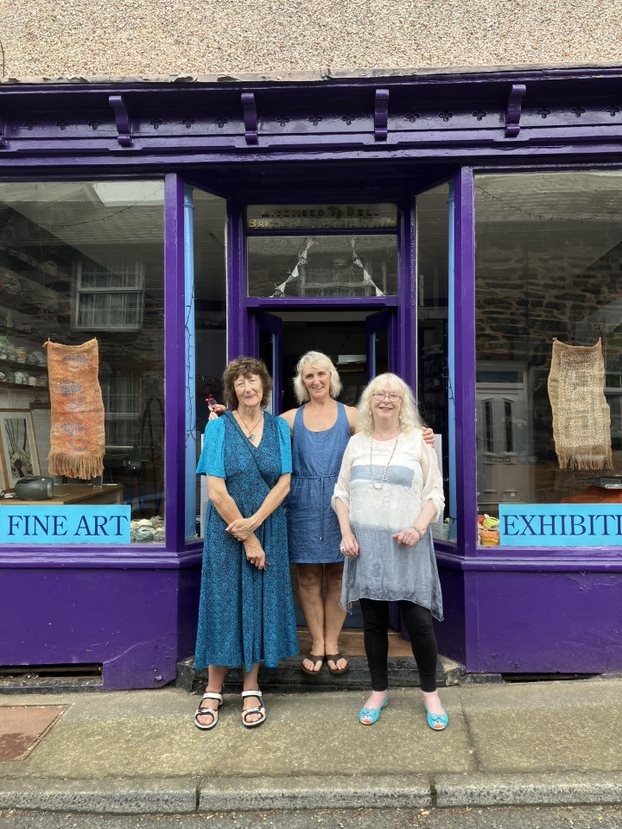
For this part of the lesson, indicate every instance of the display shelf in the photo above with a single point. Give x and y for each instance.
(5, 384)
(22, 366)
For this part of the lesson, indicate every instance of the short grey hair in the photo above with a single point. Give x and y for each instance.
(409, 414)
(319, 360)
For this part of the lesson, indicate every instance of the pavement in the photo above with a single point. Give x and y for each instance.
(136, 752)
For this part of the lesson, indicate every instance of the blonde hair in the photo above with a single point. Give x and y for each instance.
(409, 415)
(319, 360)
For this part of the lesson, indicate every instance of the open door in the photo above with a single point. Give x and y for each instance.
(266, 342)
(379, 331)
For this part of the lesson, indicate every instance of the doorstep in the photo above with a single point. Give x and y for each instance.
(288, 677)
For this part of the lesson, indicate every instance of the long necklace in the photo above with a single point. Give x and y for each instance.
(249, 429)
(379, 484)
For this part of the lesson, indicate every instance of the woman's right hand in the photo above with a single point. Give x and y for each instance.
(349, 545)
(255, 554)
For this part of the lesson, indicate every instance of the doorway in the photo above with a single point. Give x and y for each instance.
(359, 342)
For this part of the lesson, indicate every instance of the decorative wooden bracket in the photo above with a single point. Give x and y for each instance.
(381, 115)
(514, 110)
(122, 119)
(249, 107)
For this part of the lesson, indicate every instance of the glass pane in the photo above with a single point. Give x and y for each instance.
(547, 266)
(322, 266)
(210, 344)
(433, 292)
(80, 260)
(321, 216)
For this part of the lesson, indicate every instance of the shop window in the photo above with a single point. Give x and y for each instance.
(322, 263)
(548, 266)
(433, 324)
(82, 260)
(205, 339)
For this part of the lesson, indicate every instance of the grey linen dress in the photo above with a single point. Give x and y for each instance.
(384, 569)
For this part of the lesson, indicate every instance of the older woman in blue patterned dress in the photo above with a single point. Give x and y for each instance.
(246, 610)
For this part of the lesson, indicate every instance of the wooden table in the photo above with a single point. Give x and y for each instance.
(594, 495)
(75, 494)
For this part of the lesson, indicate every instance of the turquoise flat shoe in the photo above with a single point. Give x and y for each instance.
(371, 714)
(437, 722)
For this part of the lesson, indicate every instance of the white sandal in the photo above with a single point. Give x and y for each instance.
(259, 709)
(204, 712)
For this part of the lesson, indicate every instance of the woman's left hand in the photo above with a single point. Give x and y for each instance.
(408, 537)
(428, 436)
(242, 528)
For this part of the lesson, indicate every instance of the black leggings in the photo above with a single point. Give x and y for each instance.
(418, 621)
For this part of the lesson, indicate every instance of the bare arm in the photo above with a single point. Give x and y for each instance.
(349, 545)
(288, 417)
(242, 528)
(351, 414)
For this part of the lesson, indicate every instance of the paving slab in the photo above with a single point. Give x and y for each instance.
(315, 792)
(22, 726)
(554, 726)
(527, 789)
(151, 733)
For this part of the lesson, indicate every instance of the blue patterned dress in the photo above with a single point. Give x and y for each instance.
(246, 615)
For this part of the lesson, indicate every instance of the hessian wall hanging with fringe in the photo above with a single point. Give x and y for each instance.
(581, 416)
(77, 435)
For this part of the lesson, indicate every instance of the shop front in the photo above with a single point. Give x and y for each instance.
(462, 231)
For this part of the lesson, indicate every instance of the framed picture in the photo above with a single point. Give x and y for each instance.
(18, 448)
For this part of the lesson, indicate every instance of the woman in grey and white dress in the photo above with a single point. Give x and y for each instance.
(388, 493)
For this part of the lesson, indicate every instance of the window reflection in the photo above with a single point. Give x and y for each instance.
(548, 255)
(82, 260)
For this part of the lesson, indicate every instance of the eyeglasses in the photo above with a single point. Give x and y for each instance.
(379, 395)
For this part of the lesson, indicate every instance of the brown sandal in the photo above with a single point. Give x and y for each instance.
(315, 658)
(335, 657)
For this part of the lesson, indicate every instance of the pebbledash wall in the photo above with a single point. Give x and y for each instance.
(504, 174)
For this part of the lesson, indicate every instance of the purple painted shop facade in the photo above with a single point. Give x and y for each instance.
(381, 140)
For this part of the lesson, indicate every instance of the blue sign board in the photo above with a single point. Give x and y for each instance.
(560, 525)
(76, 524)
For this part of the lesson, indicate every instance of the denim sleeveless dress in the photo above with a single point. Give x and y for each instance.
(312, 526)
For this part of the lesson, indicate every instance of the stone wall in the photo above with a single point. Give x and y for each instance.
(91, 38)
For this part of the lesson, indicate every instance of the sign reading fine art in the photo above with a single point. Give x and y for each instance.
(560, 525)
(65, 524)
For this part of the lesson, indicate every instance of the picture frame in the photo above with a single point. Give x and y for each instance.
(18, 447)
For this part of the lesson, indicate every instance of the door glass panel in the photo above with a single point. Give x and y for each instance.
(321, 216)
(435, 393)
(322, 266)
(207, 348)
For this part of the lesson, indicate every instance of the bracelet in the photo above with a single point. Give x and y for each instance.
(418, 531)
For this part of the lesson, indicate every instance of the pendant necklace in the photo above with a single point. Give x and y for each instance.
(379, 484)
(249, 430)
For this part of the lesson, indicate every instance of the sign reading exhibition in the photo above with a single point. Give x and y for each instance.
(560, 525)
(101, 524)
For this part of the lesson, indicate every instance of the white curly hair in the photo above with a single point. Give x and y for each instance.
(409, 414)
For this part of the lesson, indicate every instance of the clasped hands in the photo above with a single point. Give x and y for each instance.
(244, 530)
